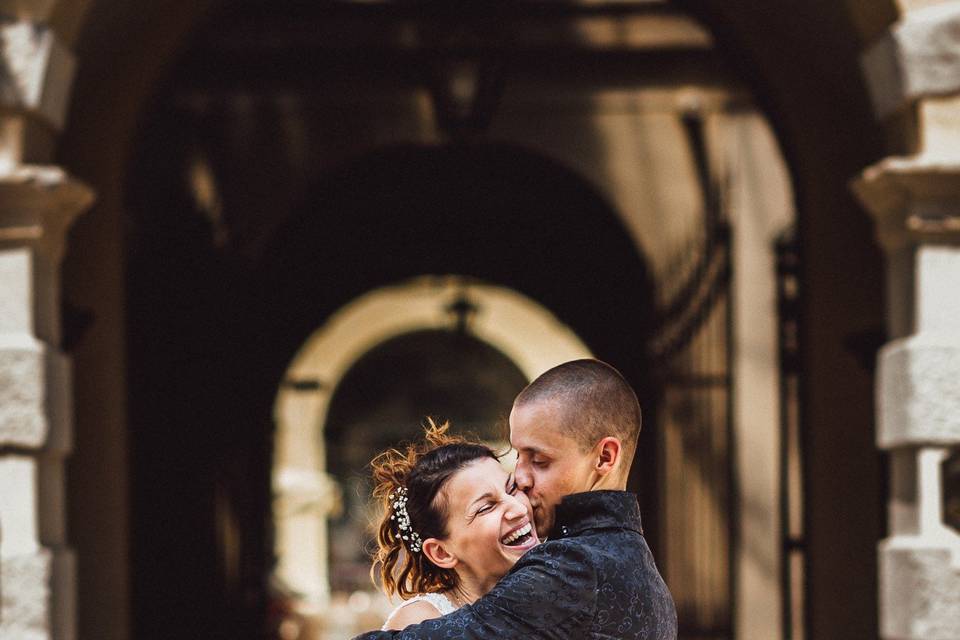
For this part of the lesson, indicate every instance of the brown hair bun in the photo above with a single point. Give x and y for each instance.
(422, 469)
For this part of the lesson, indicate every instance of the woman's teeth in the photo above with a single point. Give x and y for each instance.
(514, 537)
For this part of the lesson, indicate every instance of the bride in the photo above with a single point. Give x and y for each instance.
(453, 524)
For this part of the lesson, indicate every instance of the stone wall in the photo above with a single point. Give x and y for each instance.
(37, 203)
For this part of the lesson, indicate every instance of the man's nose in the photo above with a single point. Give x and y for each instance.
(523, 477)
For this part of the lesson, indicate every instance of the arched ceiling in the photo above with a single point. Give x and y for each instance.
(791, 54)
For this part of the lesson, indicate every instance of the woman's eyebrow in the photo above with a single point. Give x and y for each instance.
(487, 496)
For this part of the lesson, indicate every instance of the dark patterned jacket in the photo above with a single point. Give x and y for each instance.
(596, 579)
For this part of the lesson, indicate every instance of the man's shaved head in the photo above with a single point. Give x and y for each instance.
(595, 402)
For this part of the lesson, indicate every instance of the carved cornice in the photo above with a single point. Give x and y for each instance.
(38, 204)
(913, 200)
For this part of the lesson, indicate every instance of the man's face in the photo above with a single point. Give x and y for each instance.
(550, 464)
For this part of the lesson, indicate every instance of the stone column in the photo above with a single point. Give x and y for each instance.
(37, 204)
(916, 204)
(761, 206)
(913, 73)
(36, 567)
(918, 391)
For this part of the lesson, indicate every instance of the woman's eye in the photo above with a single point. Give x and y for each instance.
(485, 508)
(512, 489)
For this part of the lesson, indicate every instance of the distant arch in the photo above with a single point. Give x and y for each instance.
(523, 330)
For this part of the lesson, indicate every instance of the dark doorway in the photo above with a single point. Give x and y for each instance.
(211, 331)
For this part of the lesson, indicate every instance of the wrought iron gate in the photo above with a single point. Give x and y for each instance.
(692, 350)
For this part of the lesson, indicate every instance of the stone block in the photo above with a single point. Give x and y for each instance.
(39, 70)
(918, 397)
(25, 596)
(37, 569)
(919, 589)
(34, 395)
(23, 418)
(919, 56)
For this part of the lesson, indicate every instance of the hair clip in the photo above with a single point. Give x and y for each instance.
(398, 501)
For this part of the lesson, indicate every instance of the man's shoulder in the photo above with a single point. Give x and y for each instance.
(574, 553)
(589, 555)
(553, 583)
(594, 552)
(561, 546)
(566, 559)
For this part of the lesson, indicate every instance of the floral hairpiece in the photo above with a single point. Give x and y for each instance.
(398, 501)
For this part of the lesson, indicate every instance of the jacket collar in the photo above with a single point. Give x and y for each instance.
(579, 512)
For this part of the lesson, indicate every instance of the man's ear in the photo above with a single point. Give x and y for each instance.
(437, 552)
(609, 451)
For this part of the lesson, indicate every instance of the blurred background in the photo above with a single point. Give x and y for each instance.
(302, 227)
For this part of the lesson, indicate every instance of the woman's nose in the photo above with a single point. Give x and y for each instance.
(515, 508)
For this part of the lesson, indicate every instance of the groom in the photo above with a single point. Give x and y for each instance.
(575, 428)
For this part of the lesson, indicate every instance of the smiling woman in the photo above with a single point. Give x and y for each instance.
(453, 523)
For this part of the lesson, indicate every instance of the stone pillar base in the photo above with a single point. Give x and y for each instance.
(24, 596)
(919, 589)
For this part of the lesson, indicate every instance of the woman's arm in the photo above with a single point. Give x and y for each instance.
(413, 613)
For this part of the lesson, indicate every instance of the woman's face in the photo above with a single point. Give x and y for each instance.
(489, 522)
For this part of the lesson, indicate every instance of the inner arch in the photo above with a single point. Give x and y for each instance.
(506, 335)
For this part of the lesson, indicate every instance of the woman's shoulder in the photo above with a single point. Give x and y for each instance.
(419, 608)
(411, 613)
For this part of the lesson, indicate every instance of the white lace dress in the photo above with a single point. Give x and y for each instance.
(440, 601)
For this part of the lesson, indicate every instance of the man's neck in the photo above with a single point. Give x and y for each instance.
(608, 483)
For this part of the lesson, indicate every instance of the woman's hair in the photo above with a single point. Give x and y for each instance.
(421, 470)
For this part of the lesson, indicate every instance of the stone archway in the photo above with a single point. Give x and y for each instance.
(760, 41)
(526, 333)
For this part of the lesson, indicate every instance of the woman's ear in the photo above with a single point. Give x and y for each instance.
(609, 451)
(437, 552)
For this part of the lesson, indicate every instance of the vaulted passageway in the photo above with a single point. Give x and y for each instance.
(802, 65)
(482, 213)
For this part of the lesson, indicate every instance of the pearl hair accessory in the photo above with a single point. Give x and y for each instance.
(398, 500)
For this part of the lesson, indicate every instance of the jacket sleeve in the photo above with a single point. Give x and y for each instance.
(550, 593)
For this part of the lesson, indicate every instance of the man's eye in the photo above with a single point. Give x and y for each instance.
(539, 463)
